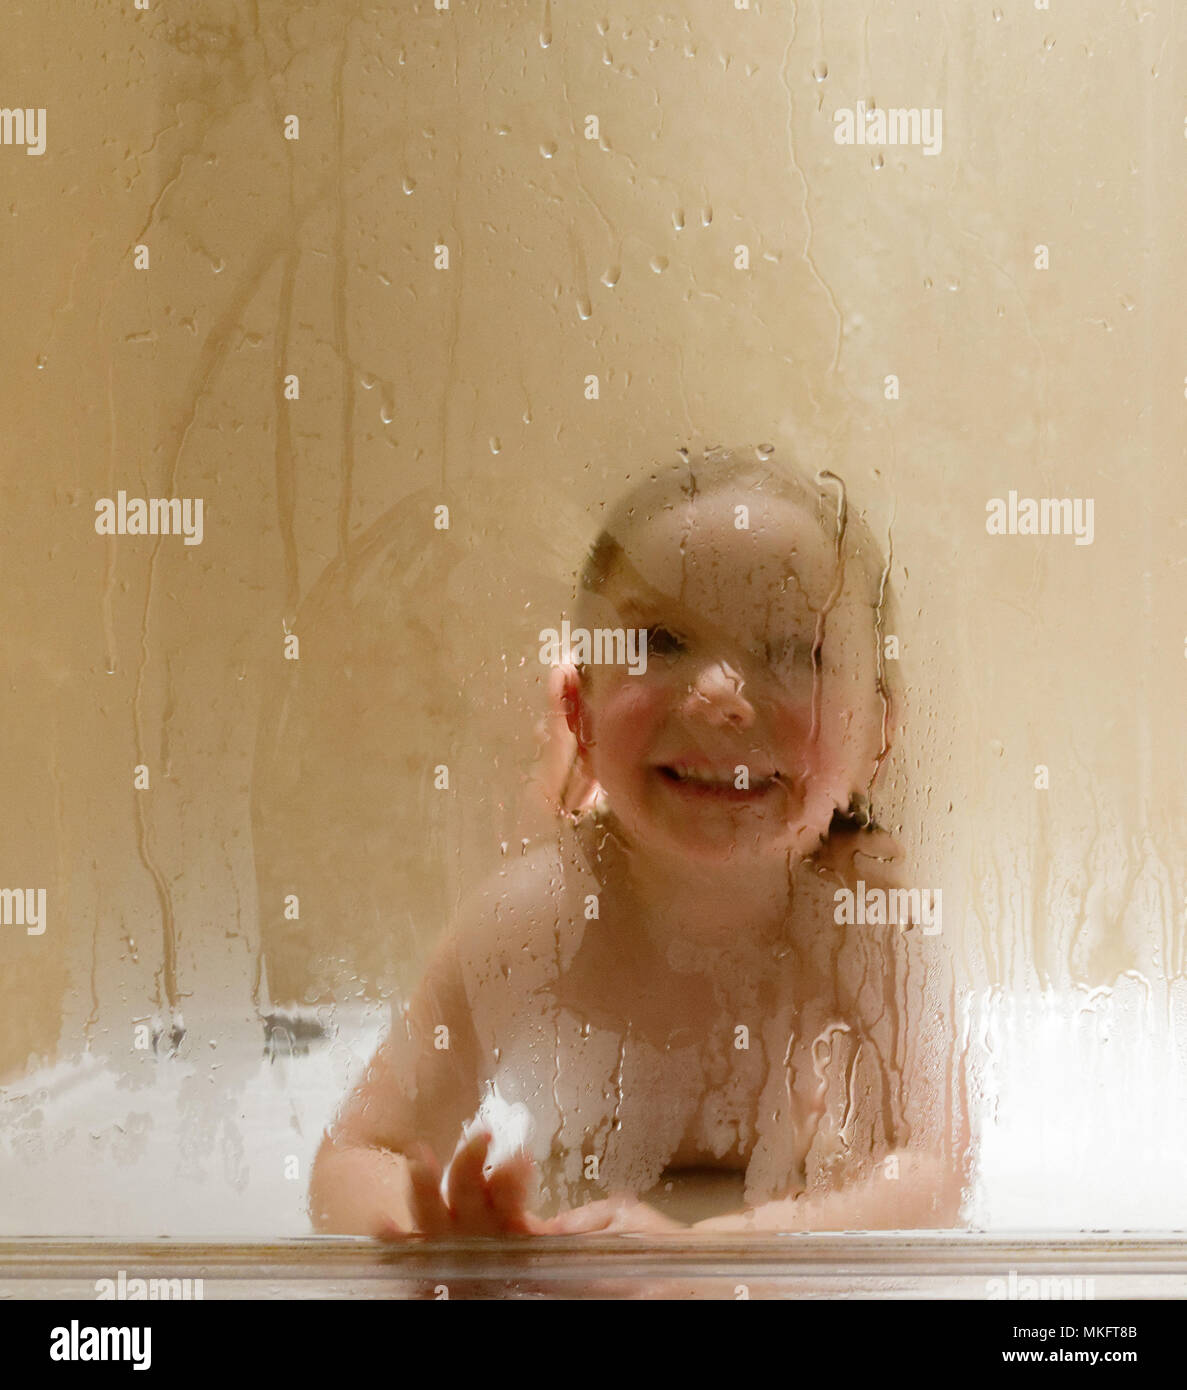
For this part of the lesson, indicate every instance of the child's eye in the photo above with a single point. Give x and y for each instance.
(662, 641)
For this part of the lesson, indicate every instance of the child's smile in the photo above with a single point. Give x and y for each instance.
(699, 780)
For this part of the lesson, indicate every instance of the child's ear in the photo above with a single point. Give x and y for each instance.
(573, 703)
(579, 789)
(561, 777)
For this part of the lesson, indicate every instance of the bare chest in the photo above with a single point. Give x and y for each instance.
(673, 1067)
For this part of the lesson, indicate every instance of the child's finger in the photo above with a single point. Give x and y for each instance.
(430, 1216)
(508, 1184)
(466, 1191)
(611, 1214)
(595, 1216)
(507, 1188)
(390, 1229)
(424, 1155)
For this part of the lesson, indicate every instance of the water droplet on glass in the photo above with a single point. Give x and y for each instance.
(584, 307)
(495, 446)
(678, 219)
(877, 161)
(997, 747)
(610, 277)
(954, 284)
(1049, 43)
(706, 216)
(548, 149)
(820, 70)
(41, 361)
(387, 414)
(927, 282)
(408, 184)
(997, 16)
(765, 451)
(659, 264)
(1127, 304)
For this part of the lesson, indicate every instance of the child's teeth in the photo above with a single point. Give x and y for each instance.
(686, 775)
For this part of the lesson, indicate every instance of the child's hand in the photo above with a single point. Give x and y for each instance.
(614, 1215)
(495, 1204)
(475, 1203)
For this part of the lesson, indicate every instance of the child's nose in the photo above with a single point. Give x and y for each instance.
(716, 694)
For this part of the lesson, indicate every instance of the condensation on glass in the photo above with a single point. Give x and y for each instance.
(410, 301)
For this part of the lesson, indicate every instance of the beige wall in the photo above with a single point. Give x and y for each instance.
(465, 386)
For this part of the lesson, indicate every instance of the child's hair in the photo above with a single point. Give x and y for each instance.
(743, 471)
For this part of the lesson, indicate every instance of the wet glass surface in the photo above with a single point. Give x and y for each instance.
(335, 338)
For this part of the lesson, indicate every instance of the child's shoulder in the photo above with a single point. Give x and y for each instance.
(531, 903)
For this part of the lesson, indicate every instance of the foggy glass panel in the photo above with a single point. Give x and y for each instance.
(333, 341)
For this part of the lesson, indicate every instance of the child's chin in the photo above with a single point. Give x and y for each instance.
(757, 841)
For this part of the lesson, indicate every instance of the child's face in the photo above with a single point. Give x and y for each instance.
(733, 619)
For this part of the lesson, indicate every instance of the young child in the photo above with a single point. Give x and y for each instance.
(663, 998)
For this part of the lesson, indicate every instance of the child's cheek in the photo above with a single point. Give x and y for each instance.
(631, 716)
(825, 763)
(793, 732)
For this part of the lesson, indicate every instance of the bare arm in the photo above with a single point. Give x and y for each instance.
(420, 1088)
(925, 1194)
